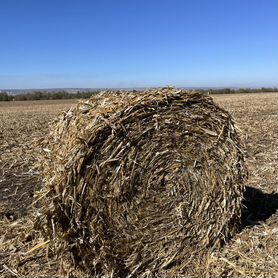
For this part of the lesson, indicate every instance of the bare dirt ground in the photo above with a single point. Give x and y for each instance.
(24, 252)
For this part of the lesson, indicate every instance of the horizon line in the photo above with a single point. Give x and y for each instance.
(137, 87)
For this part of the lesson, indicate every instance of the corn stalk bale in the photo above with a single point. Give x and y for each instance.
(142, 183)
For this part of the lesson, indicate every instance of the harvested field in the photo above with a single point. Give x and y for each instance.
(250, 253)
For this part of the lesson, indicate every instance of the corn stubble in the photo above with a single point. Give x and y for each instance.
(141, 184)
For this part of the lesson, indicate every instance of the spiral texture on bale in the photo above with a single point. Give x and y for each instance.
(142, 183)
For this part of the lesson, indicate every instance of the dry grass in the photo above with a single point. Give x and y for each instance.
(252, 252)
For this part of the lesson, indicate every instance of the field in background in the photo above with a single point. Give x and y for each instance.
(253, 252)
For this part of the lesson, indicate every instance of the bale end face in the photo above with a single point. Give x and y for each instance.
(143, 183)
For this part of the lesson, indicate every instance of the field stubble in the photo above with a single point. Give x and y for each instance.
(251, 253)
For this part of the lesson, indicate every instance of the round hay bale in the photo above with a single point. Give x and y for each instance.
(142, 183)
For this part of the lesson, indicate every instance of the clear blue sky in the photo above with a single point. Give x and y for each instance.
(135, 43)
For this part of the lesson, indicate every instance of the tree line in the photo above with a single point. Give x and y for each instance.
(38, 95)
(238, 91)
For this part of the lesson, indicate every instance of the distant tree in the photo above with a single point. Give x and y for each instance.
(4, 96)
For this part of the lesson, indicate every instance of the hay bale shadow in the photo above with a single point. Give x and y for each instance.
(258, 206)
